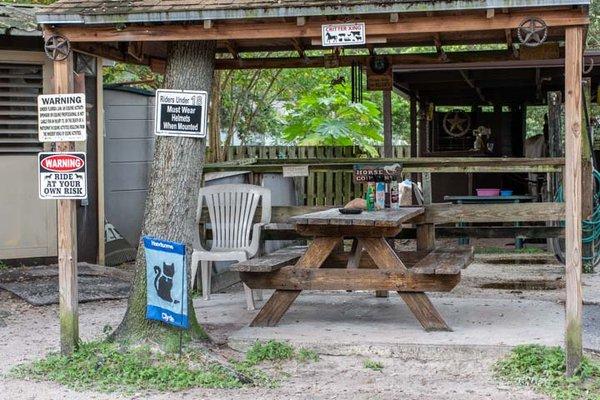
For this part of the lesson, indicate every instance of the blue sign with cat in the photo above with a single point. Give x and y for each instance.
(167, 296)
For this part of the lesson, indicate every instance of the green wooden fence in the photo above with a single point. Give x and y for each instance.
(319, 188)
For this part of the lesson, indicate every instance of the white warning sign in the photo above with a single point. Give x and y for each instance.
(343, 34)
(62, 117)
(181, 113)
(62, 176)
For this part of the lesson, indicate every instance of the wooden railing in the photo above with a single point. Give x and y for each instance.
(444, 214)
(321, 187)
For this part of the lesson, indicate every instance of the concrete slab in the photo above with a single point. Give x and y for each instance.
(340, 323)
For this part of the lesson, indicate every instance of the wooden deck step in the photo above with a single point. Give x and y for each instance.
(444, 261)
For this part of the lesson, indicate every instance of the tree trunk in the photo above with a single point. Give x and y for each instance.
(173, 194)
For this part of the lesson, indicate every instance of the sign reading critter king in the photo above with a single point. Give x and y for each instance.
(334, 35)
(62, 176)
(62, 117)
(181, 113)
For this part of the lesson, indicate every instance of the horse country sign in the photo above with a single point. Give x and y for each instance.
(334, 35)
(62, 176)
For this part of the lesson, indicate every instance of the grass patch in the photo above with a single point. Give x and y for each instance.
(373, 365)
(502, 250)
(3, 266)
(108, 367)
(274, 350)
(307, 355)
(543, 369)
(105, 367)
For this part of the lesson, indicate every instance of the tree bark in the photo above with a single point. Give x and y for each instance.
(173, 194)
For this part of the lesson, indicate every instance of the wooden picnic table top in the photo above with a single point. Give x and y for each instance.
(382, 218)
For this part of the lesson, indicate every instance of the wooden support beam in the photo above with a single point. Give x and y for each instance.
(473, 86)
(388, 146)
(276, 29)
(67, 235)
(443, 213)
(413, 127)
(291, 279)
(299, 48)
(232, 48)
(437, 41)
(419, 165)
(573, 193)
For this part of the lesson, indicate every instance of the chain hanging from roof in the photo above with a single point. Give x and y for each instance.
(356, 74)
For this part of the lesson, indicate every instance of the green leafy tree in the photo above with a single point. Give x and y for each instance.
(327, 116)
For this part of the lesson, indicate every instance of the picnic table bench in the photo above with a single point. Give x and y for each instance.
(372, 264)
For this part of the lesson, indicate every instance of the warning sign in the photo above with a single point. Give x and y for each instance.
(62, 176)
(181, 113)
(343, 34)
(62, 117)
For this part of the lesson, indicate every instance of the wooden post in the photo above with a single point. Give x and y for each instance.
(100, 150)
(67, 234)
(388, 149)
(422, 130)
(572, 184)
(413, 127)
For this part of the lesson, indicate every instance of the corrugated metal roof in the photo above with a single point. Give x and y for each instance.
(18, 20)
(115, 11)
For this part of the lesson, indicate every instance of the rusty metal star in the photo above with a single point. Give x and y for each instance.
(57, 47)
(533, 32)
(456, 123)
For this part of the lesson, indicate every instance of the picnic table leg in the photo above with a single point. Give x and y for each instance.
(417, 302)
(281, 300)
(422, 308)
(270, 314)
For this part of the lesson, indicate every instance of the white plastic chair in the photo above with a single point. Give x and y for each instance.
(231, 209)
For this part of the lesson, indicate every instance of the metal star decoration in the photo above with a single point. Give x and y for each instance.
(532, 32)
(456, 123)
(57, 47)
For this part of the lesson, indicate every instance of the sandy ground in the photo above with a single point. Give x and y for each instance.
(27, 333)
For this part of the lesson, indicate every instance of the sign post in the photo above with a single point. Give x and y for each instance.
(62, 119)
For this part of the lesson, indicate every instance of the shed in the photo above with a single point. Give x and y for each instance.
(28, 229)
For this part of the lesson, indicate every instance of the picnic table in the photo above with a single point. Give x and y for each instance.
(371, 264)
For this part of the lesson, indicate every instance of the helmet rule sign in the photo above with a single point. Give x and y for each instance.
(62, 176)
(62, 117)
(181, 113)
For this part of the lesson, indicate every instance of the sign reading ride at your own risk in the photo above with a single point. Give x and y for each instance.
(62, 117)
(62, 176)
(181, 113)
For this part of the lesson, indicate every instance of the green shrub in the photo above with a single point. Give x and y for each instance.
(543, 369)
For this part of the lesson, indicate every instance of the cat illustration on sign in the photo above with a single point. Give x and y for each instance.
(163, 282)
